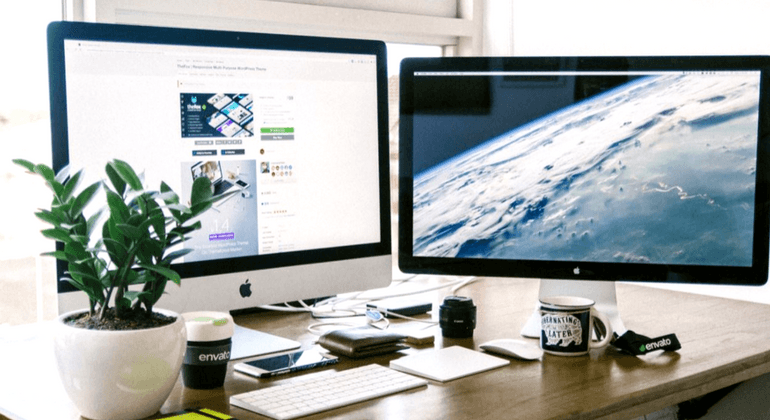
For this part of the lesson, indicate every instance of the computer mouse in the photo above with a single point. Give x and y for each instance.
(510, 347)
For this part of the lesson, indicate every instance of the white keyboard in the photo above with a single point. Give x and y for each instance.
(321, 391)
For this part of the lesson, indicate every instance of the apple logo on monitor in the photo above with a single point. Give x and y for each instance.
(245, 289)
(576, 271)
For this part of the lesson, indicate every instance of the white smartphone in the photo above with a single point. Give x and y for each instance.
(285, 363)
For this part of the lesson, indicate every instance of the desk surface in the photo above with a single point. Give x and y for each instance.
(723, 342)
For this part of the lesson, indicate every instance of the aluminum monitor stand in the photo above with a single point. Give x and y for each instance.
(601, 292)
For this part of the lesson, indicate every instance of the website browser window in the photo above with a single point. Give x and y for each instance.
(291, 137)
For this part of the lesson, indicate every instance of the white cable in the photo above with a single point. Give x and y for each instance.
(463, 284)
(312, 327)
(328, 307)
(413, 292)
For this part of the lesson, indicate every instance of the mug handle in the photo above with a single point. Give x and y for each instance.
(607, 336)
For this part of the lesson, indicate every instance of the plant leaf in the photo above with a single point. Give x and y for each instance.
(92, 222)
(157, 291)
(117, 251)
(159, 225)
(84, 198)
(180, 231)
(163, 271)
(70, 185)
(153, 246)
(128, 175)
(83, 239)
(201, 190)
(46, 172)
(122, 304)
(167, 194)
(119, 211)
(140, 278)
(134, 294)
(83, 272)
(59, 255)
(111, 231)
(57, 234)
(78, 285)
(199, 208)
(49, 217)
(93, 288)
(63, 174)
(179, 208)
(132, 232)
(115, 179)
(77, 251)
(25, 163)
(176, 254)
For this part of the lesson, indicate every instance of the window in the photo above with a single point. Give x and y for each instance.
(24, 133)
(396, 53)
(448, 23)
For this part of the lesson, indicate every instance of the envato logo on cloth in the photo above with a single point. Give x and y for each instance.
(664, 342)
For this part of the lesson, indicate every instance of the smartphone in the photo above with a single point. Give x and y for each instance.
(285, 363)
(405, 307)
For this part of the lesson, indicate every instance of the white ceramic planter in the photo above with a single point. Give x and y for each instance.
(119, 375)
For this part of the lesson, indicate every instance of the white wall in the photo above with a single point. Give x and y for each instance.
(607, 27)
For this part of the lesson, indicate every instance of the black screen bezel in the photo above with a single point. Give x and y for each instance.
(756, 274)
(58, 32)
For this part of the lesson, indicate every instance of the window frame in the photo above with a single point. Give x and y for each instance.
(459, 35)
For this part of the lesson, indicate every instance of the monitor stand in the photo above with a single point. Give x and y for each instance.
(601, 292)
(251, 343)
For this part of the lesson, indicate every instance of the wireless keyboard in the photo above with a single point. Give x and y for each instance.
(321, 391)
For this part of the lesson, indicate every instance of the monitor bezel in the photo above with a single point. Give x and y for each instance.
(59, 32)
(756, 274)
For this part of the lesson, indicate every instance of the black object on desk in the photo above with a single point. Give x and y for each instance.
(362, 342)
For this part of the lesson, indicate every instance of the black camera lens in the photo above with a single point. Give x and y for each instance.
(457, 317)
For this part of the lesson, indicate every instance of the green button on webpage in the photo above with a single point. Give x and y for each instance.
(276, 130)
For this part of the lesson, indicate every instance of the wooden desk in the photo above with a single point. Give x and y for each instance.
(723, 342)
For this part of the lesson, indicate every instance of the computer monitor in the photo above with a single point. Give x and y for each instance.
(589, 169)
(296, 126)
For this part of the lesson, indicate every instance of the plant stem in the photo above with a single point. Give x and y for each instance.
(103, 309)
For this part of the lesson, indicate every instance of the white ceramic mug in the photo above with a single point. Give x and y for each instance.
(566, 323)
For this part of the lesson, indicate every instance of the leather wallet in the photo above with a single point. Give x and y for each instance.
(362, 342)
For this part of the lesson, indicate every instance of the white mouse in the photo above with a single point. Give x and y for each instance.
(519, 349)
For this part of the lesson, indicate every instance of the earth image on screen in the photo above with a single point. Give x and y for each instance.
(658, 170)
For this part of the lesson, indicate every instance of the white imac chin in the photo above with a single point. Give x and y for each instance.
(263, 287)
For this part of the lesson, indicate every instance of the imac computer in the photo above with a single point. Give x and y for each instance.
(586, 169)
(295, 126)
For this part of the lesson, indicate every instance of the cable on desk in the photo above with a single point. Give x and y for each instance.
(331, 308)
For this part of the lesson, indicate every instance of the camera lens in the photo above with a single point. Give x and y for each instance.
(457, 317)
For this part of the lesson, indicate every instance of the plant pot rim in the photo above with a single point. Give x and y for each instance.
(60, 321)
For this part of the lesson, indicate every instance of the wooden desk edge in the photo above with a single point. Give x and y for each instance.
(661, 397)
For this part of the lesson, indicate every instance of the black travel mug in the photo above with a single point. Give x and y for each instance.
(209, 342)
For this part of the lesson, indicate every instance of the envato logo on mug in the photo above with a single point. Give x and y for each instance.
(209, 341)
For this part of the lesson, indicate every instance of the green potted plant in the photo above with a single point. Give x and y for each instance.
(120, 357)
